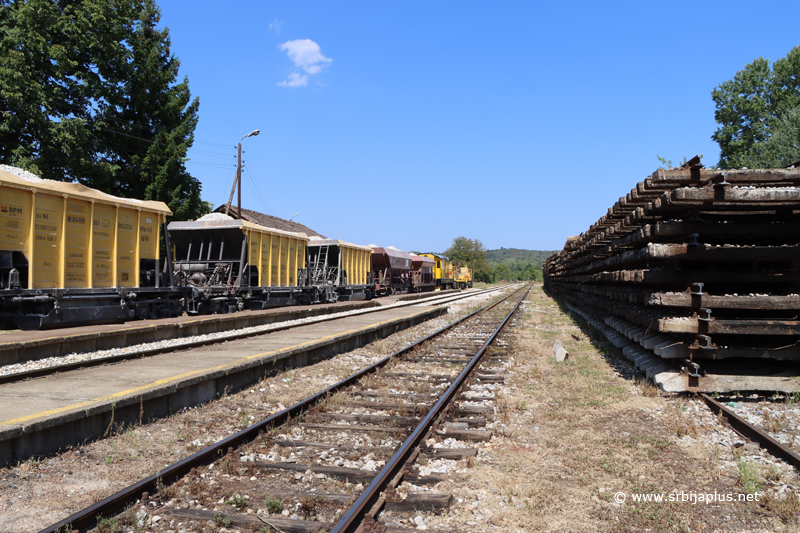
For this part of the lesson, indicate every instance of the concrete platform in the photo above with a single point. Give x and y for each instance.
(21, 346)
(418, 295)
(43, 415)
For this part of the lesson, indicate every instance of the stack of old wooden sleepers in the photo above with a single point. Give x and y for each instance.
(695, 274)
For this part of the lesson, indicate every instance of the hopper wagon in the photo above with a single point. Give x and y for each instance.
(339, 270)
(72, 255)
(422, 279)
(229, 265)
(391, 270)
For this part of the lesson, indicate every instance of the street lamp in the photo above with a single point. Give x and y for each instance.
(238, 180)
(295, 215)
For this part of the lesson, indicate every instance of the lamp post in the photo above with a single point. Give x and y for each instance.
(238, 180)
(295, 215)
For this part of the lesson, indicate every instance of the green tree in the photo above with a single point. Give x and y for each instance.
(56, 60)
(88, 93)
(150, 124)
(500, 272)
(531, 272)
(757, 113)
(784, 142)
(667, 163)
(518, 269)
(471, 253)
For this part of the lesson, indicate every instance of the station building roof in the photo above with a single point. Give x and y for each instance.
(269, 221)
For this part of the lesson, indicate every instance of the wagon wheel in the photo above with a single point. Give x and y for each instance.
(180, 278)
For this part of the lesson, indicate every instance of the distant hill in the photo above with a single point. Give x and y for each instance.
(502, 255)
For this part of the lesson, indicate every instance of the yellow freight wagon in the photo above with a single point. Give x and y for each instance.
(56, 235)
(233, 264)
(442, 271)
(340, 270)
(66, 235)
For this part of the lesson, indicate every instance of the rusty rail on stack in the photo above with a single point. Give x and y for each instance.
(695, 275)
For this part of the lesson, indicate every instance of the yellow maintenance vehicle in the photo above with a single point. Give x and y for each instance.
(463, 277)
(442, 271)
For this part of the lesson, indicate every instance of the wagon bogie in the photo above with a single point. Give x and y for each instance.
(235, 264)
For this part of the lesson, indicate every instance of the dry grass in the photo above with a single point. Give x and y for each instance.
(577, 432)
(774, 423)
(679, 423)
(711, 462)
(787, 507)
(647, 388)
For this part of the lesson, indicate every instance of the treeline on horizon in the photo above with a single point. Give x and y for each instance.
(505, 264)
(516, 264)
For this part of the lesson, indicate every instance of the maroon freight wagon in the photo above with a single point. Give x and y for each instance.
(422, 279)
(391, 270)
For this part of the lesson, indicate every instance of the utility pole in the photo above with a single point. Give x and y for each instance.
(238, 180)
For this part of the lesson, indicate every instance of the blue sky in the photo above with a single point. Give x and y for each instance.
(412, 123)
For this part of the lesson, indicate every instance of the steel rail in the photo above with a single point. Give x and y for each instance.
(150, 352)
(352, 519)
(749, 431)
(86, 519)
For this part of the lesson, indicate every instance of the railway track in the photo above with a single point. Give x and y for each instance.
(340, 455)
(757, 433)
(53, 365)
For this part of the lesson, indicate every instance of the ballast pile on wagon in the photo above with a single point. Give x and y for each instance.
(694, 274)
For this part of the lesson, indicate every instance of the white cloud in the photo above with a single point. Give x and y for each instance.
(295, 80)
(306, 56)
(275, 25)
